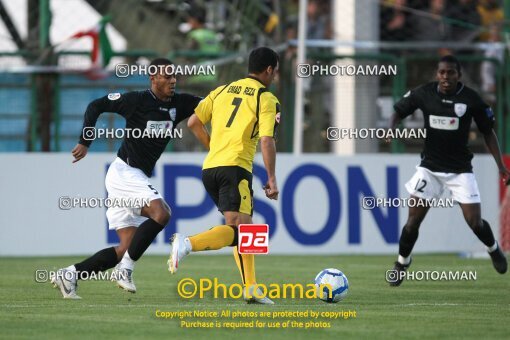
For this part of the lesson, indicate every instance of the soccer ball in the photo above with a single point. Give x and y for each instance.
(338, 282)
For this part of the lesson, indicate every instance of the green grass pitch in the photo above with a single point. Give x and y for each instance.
(418, 309)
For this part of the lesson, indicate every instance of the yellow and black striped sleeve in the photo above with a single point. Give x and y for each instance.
(269, 116)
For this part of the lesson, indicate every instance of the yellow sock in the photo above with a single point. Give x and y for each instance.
(246, 265)
(213, 239)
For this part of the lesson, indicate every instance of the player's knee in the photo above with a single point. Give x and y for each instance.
(162, 216)
(231, 218)
(243, 219)
(120, 250)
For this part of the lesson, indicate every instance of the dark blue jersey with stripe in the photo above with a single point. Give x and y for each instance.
(447, 121)
(143, 111)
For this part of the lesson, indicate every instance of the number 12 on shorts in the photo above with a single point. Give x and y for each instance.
(420, 185)
(253, 239)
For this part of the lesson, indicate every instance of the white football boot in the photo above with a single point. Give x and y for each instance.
(66, 281)
(124, 278)
(256, 298)
(181, 247)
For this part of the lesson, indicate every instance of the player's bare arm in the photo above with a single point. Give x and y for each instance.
(268, 148)
(199, 130)
(491, 140)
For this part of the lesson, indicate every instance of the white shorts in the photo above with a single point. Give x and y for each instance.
(124, 181)
(429, 185)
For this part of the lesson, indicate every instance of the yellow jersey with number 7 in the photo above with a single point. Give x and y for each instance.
(240, 113)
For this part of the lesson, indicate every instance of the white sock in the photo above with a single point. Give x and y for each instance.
(187, 244)
(404, 260)
(494, 247)
(71, 268)
(127, 262)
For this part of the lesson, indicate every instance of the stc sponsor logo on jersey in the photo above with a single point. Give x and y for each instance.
(159, 125)
(444, 123)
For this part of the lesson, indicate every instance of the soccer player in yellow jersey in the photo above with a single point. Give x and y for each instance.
(240, 113)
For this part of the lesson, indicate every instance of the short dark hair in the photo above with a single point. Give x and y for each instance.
(161, 61)
(450, 59)
(261, 58)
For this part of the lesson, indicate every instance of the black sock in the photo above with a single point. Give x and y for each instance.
(143, 237)
(236, 236)
(485, 234)
(100, 261)
(407, 241)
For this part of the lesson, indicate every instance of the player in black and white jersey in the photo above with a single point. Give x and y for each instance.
(448, 109)
(156, 110)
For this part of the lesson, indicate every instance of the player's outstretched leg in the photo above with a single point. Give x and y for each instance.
(482, 229)
(66, 279)
(213, 239)
(158, 214)
(406, 244)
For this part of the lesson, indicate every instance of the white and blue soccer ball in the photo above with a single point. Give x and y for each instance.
(338, 282)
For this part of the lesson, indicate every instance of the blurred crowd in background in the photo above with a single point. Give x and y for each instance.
(223, 32)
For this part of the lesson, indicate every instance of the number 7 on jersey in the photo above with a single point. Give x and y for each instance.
(236, 102)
